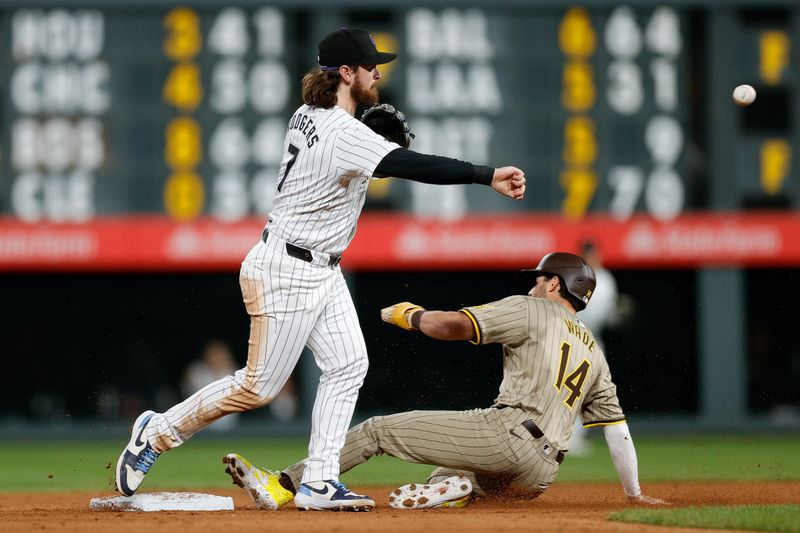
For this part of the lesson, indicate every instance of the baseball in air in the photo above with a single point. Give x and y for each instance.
(744, 95)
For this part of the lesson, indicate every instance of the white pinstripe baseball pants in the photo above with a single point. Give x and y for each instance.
(291, 303)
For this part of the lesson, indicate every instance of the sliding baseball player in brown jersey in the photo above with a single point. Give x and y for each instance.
(553, 372)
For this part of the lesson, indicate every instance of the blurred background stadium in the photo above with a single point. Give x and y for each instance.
(139, 149)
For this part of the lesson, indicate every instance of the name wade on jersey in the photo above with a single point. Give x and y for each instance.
(302, 123)
(583, 335)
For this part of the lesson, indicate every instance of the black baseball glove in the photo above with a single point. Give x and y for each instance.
(387, 121)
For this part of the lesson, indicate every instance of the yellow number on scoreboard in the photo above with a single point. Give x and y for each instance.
(387, 42)
(183, 149)
(775, 47)
(576, 35)
(776, 159)
(580, 185)
(183, 88)
(184, 194)
(183, 34)
(379, 189)
(578, 92)
(580, 144)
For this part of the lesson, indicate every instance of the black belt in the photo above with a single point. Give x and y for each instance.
(534, 430)
(302, 253)
(537, 433)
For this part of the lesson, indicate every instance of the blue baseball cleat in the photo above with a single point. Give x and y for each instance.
(137, 457)
(330, 495)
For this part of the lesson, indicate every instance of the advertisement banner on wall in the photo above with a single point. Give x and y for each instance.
(402, 242)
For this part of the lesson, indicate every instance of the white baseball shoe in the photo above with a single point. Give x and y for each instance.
(330, 495)
(137, 457)
(454, 493)
(263, 485)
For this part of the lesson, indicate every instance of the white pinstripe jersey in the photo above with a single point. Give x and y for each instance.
(322, 183)
(552, 366)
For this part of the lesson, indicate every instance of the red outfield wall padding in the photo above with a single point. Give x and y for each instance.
(401, 242)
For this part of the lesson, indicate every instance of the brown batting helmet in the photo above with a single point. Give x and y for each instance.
(576, 275)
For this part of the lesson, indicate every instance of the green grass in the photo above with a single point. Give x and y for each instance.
(720, 458)
(28, 466)
(62, 466)
(744, 517)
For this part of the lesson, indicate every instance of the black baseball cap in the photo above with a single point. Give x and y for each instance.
(350, 46)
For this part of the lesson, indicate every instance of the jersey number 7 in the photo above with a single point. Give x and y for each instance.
(574, 381)
(294, 150)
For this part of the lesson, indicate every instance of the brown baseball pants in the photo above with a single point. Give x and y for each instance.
(489, 446)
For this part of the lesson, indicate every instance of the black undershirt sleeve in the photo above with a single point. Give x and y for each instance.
(410, 165)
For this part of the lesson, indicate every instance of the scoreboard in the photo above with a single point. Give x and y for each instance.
(182, 110)
(176, 111)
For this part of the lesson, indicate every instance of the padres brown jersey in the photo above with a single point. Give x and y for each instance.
(552, 366)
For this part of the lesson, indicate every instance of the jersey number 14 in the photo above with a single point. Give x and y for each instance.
(574, 381)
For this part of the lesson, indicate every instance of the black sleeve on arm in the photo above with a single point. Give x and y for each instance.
(410, 165)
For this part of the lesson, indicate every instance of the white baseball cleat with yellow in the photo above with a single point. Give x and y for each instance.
(262, 485)
(454, 493)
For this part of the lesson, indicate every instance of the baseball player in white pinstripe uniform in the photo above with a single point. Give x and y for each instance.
(291, 283)
(553, 372)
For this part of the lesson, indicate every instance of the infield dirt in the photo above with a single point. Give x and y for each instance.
(565, 507)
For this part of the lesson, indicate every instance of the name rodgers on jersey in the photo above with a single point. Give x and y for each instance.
(302, 123)
(582, 334)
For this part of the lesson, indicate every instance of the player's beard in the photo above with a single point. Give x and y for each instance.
(361, 96)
